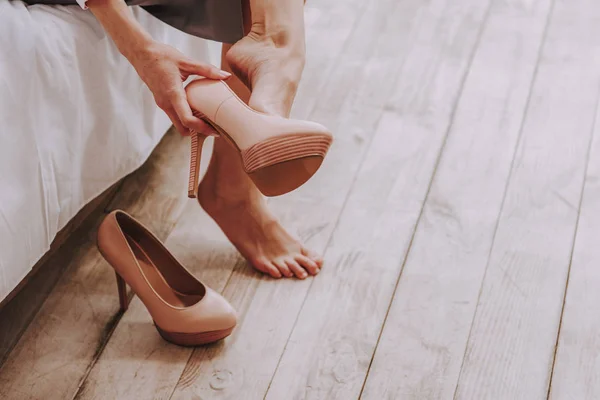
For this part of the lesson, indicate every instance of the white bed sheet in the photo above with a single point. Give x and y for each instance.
(74, 119)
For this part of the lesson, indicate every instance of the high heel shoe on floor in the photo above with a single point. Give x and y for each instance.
(277, 153)
(185, 311)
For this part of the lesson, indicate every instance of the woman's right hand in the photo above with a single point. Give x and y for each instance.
(164, 69)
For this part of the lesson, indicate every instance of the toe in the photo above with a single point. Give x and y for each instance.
(283, 268)
(313, 256)
(296, 269)
(308, 264)
(267, 267)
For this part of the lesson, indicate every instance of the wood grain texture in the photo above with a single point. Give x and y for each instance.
(428, 324)
(20, 307)
(57, 349)
(198, 242)
(96, 205)
(511, 346)
(329, 351)
(414, 90)
(269, 308)
(137, 363)
(157, 191)
(329, 27)
(576, 372)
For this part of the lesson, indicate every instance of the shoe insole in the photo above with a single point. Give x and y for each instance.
(157, 280)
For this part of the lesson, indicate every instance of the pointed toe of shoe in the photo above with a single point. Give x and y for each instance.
(211, 320)
(224, 315)
(212, 313)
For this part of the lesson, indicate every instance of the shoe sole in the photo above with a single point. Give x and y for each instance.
(277, 165)
(194, 339)
(180, 339)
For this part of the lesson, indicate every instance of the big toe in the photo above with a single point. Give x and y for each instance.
(318, 259)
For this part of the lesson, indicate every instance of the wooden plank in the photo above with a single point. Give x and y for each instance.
(136, 363)
(157, 191)
(428, 324)
(269, 308)
(198, 242)
(512, 342)
(96, 205)
(330, 349)
(21, 305)
(55, 352)
(328, 32)
(576, 373)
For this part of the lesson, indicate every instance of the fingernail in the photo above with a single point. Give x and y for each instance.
(225, 74)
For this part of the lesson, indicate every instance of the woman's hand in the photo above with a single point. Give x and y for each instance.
(164, 69)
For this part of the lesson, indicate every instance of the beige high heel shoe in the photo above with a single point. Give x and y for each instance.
(185, 311)
(277, 153)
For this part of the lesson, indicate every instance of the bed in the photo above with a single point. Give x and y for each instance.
(74, 119)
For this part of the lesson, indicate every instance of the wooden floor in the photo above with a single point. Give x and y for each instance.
(458, 212)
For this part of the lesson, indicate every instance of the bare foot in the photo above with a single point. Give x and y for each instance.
(271, 66)
(231, 199)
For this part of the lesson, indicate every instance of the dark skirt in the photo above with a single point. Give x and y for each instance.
(219, 20)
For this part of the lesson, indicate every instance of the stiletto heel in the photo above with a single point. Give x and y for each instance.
(196, 152)
(185, 311)
(277, 153)
(122, 289)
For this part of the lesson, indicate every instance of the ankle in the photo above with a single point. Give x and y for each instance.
(290, 43)
(277, 35)
(221, 198)
(281, 22)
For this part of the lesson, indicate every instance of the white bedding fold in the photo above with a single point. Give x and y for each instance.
(74, 118)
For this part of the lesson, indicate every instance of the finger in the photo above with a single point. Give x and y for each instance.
(184, 112)
(208, 130)
(205, 70)
(176, 122)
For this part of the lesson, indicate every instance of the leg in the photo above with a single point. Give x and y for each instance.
(231, 199)
(270, 58)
